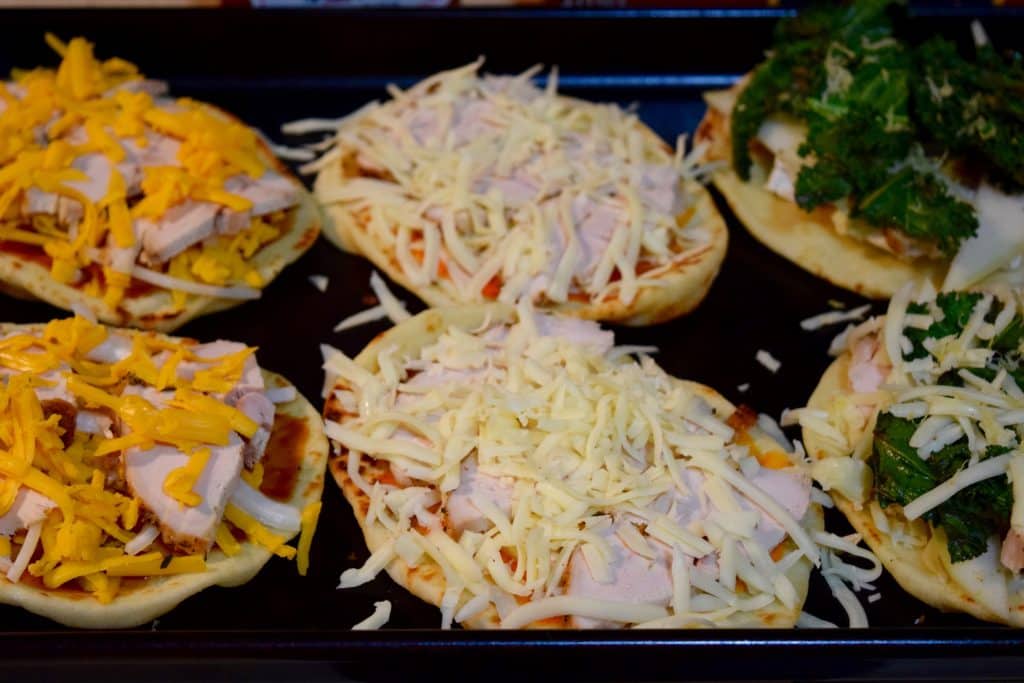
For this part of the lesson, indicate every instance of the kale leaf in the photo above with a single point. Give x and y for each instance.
(795, 70)
(973, 109)
(956, 308)
(920, 205)
(840, 69)
(970, 517)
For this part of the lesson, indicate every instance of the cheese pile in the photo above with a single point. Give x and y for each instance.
(491, 188)
(524, 459)
(86, 212)
(988, 412)
(67, 421)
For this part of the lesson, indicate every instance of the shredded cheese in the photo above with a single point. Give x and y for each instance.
(816, 322)
(770, 362)
(490, 188)
(114, 184)
(542, 453)
(380, 616)
(71, 502)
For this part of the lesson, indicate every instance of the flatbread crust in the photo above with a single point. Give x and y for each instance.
(158, 595)
(808, 239)
(681, 288)
(920, 571)
(426, 581)
(26, 278)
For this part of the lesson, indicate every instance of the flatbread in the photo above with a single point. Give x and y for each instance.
(921, 571)
(141, 603)
(426, 581)
(29, 277)
(680, 289)
(807, 239)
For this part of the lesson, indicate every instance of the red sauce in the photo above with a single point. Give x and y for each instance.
(29, 252)
(94, 271)
(283, 459)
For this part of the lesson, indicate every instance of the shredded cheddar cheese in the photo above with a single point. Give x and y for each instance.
(115, 442)
(106, 175)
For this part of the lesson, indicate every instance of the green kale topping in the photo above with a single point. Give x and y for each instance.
(973, 109)
(871, 102)
(970, 517)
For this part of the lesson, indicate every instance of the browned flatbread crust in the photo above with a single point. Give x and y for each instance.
(680, 288)
(29, 277)
(426, 580)
(809, 240)
(920, 571)
(145, 600)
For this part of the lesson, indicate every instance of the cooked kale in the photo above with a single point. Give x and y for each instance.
(973, 109)
(920, 205)
(869, 101)
(970, 517)
(956, 308)
(795, 71)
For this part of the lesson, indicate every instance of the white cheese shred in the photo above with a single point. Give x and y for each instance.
(564, 605)
(320, 282)
(365, 317)
(25, 554)
(392, 305)
(82, 310)
(987, 469)
(142, 540)
(381, 615)
(834, 317)
(770, 362)
(178, 285)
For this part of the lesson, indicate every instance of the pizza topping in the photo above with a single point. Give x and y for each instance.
(843, 107)
(491, 188)
(945, 441)
(123, 453)
(113, 181)
(588, 484)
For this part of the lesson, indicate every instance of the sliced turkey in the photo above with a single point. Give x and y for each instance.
(178, 229)
(631, 578)
(258, 408)
(462, 514)
(183, 528)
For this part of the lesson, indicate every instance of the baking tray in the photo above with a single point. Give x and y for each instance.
(272, 67)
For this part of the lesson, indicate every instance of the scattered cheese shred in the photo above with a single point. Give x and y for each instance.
(391, 305)
(833, 317)
(770, 362)
(319, 281)
(381, 615)
(541, 454)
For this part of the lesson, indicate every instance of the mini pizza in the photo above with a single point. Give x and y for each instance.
(871, 161)
(916, 429)
(138, 469)
(470, 188)
(519, 471)
(148, 210)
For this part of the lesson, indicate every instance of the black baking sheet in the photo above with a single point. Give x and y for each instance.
(269, 68)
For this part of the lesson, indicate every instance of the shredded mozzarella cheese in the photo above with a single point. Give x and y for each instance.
(381, 615)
